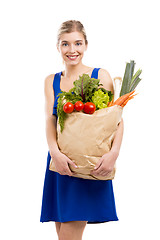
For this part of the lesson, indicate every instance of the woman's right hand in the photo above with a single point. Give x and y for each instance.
(61, 163)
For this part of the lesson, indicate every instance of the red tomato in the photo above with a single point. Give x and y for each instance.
(68, 107)
(89, 107)
(78, 106)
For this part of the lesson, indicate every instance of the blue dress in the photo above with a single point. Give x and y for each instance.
(67, 198)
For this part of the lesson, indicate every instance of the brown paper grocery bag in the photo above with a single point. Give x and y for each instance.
(86, 138)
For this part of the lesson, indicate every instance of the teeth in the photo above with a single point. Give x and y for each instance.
(72, 56)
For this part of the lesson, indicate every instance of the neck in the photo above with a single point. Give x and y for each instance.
(73, 70)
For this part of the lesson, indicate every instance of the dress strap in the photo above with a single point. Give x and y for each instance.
(56, 88)
(56, 83)
(95, 73)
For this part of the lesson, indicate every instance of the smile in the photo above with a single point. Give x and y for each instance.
(72, 57)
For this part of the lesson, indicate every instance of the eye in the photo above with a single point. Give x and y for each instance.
(78, 43)
(65, 44)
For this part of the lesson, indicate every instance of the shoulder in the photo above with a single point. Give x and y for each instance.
(48, 81)
(49, 78)
(105, 79)
(48, 84)
(104, 75)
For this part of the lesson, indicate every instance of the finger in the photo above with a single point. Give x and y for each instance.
(98, 171)
(69, 172)
(98, 164)
(72, 163)
(104, 174)
(66, 171)
(101, 173)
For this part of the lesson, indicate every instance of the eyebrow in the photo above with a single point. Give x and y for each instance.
(75, 41)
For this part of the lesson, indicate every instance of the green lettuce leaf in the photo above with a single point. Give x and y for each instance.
(100, 99)
(85, 87)
(110, 94)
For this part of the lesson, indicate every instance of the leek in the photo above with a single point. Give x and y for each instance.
(130, 80)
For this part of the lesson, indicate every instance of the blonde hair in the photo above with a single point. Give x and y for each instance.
(71, 26)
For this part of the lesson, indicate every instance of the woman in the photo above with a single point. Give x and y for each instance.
(69, 201)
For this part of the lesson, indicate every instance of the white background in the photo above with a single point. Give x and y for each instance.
(118, 31)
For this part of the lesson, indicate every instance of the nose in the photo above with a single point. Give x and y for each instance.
(72, 48)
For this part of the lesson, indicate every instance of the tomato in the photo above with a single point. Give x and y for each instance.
(68, 107)
(78, 106)
(89, 107)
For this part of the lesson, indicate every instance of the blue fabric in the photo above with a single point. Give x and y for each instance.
(68, 198)
(95, 73)
(56, 87)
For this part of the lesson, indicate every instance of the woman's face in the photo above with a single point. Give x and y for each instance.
(72, 47)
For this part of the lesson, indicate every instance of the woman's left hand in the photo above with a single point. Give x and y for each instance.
(105, 164)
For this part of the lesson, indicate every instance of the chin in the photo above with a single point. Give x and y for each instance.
(72, 63)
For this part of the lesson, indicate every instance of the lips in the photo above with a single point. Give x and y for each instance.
(72, 57)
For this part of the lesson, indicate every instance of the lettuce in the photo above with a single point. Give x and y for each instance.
(100, 99)
(85, 87)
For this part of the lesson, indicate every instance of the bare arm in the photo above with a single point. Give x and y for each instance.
(60, 160)
(51, 120)
(116, 145)
(106, 80)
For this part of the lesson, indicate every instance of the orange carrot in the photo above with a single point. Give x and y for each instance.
(130, 97)
(124, 103)
(123, 98)
(110, 103)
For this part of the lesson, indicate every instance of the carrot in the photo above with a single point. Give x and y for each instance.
(110, 103)
(123, 98)
(122, 105)
(125, 102)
